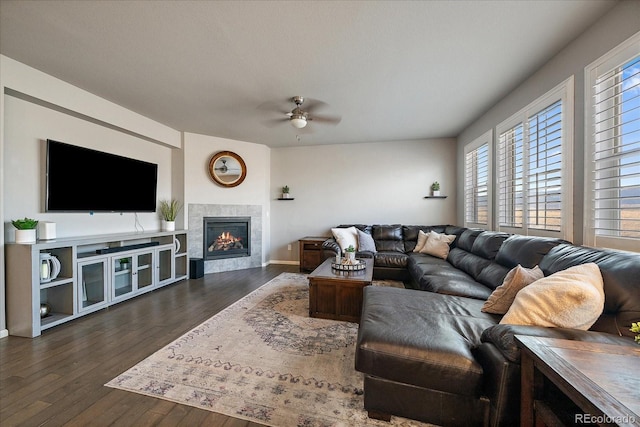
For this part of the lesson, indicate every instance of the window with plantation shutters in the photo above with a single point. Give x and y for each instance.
(534, 167)
(510, 177)
(544, 171)
(613, 155)
(477, 182)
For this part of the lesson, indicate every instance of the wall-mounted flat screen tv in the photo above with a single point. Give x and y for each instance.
(84, 180)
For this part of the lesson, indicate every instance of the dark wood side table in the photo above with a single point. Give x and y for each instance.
(337, 295)
(310, 253)
(600, 379)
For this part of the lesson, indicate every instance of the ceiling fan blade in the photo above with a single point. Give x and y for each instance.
(328, 119)
(310, 105)
(275, 122)
(274, 106)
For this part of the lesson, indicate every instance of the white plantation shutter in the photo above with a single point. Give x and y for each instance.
(614, 122)
(544, 164)
(534, 167)
(510, 177)
(477, 190)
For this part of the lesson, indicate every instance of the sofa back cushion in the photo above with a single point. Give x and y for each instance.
(466, 261)
(467, 238)
(388, 238)
(621, 275)
(454, 229)
(488, 244)
(525, 250)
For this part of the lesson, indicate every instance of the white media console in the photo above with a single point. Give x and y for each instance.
(95, 272)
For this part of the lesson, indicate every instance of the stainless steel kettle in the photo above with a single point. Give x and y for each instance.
(49, 267)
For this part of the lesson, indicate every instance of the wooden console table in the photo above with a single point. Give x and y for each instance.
(600, 379)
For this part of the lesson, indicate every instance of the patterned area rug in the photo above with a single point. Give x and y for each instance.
(263, 359)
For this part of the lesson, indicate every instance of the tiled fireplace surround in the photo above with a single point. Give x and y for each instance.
(197, 212)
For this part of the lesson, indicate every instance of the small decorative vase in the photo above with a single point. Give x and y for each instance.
(26, 236)
(285, 195)
(168, 226)
(45, 310)
(436, 193)
(351, 256)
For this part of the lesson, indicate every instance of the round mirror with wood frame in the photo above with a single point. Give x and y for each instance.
(227, 169)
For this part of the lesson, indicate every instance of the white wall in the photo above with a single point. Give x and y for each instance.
(27, 128)
(619, 24)
(369, 183)
(35, 106)
(201, 189)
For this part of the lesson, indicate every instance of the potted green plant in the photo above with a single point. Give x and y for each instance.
(435, 188)
(169, 211)
(350, 254)
(124, 263)
(25, 230)
(635, 327)
(285, 192)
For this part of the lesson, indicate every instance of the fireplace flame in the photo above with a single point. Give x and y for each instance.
(226, 241)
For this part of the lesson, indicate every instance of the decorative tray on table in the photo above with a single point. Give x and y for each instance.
(356, 265)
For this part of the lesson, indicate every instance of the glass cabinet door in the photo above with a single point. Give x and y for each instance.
(92, 285)
(144, 271)
(165, 265)
(122, 284)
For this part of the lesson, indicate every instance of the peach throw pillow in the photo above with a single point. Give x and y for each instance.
(422, 239)
(502, 297)
(437, 244)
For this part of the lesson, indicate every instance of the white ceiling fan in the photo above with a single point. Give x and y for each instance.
(299, 117)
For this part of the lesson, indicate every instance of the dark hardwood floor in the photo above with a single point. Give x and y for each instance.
(57, 379)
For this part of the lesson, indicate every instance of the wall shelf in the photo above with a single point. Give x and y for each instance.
(435, 197)
(289, 198)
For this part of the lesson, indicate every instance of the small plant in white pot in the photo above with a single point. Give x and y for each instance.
(25, 230)
(169, 211)
(285, 192)
(435, 188)
(350, 255)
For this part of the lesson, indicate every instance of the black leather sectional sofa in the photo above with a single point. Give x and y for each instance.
(429, 353)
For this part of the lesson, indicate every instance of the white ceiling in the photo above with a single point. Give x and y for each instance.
(394, 70)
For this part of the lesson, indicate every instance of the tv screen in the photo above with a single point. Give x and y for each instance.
(84, 180)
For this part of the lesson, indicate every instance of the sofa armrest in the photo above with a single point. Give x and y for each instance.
(502, 336)
(330, 246)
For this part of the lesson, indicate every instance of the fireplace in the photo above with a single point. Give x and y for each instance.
(227, 237)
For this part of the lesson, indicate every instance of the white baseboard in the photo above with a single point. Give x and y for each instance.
(4, 333)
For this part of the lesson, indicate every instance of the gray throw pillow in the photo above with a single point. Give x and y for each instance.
(365, 242)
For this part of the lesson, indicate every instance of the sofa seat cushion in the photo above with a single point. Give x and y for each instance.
(422, 339)
(437, 275)
(390, 259)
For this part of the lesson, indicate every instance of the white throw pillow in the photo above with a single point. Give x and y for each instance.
(571, 298)
(346, 237)
(437, 244)
(502, 297)
(422, 239)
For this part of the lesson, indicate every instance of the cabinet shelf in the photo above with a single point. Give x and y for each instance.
(56, 282)
(54, 319)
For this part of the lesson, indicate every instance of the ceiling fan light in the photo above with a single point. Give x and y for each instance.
(298, 122)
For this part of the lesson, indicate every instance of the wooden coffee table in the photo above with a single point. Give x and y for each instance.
(337, 295)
